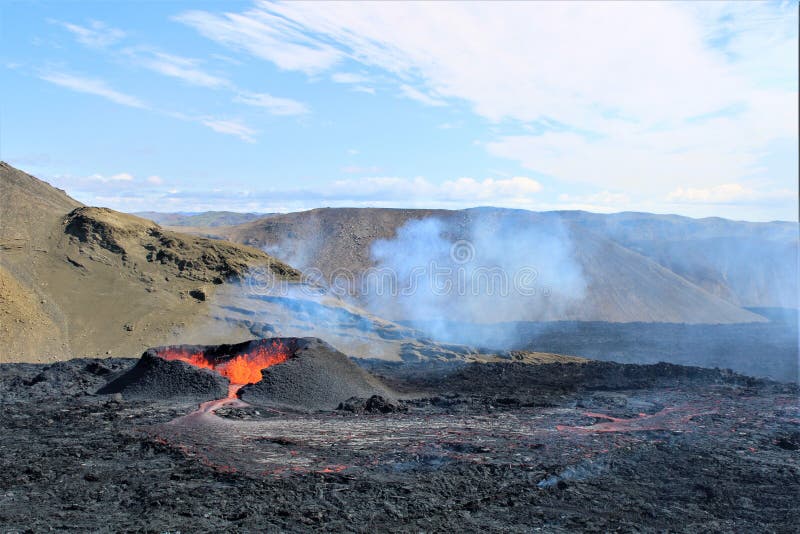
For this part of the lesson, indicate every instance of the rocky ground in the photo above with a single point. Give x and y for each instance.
(493, 447)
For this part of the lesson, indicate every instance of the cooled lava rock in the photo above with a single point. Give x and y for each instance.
(316, 377)
(374, 404)
(154, 378)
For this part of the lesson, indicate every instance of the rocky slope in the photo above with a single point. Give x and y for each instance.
(77, 280)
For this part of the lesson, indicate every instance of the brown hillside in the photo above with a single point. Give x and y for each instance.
(623, 285)
(80, 281)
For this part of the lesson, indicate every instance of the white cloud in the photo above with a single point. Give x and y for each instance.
(516, 189)
(120, 177)
(226, 59)
(92, 86)
(95, 35)
(622, 96)
(187, 70)
(463, 191)
(275, 105)
(358, 81)
(349, 77)
(266, 36)
(231, 127)
(182, 68)
(357, 169)
(604, 198)
(653, 160)
(97, 87)
(155, 180)
(419, 96)
(727, 194)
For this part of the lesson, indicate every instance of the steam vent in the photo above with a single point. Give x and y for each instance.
(299, 373)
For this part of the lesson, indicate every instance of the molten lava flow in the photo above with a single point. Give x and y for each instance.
(241, 369)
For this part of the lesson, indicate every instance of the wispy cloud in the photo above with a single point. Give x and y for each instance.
(266, 36)
(96, 34)
(415, 94)
(604, 198)
(119, 177)
(364, 89)
(464, 191)
(358, 82)
(358, 169)
(727, 194)
(349, 77)
(611, 92)
(100, 88)
(92, 86)
(182, 68)
(273, 104)
(101, 183)
(231, 127)
(186, 69)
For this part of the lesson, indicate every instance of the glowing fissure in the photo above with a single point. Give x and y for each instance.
(241, 369)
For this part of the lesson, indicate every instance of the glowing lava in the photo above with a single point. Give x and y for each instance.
(241, 369)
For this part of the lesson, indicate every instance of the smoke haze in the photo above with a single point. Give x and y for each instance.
(434, 273)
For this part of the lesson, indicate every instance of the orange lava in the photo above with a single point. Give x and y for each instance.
(242, 369)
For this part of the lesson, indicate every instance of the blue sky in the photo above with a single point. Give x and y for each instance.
(686, 108)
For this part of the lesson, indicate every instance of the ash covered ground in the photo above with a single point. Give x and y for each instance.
(598, 446)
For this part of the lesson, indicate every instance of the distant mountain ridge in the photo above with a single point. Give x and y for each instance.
(639, 267)
(749, 264)
(208, 219)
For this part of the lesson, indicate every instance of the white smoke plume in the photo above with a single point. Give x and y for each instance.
(435, 273)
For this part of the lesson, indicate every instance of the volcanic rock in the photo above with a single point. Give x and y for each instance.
(154, 378)
(789, 441)
(374, 404)
(316, 377)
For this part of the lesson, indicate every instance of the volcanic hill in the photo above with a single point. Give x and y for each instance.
(79, 281)
(637, 267)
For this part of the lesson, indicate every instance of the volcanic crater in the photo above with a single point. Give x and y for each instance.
(298, 373)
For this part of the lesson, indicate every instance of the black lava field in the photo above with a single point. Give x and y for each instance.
(506, 447)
